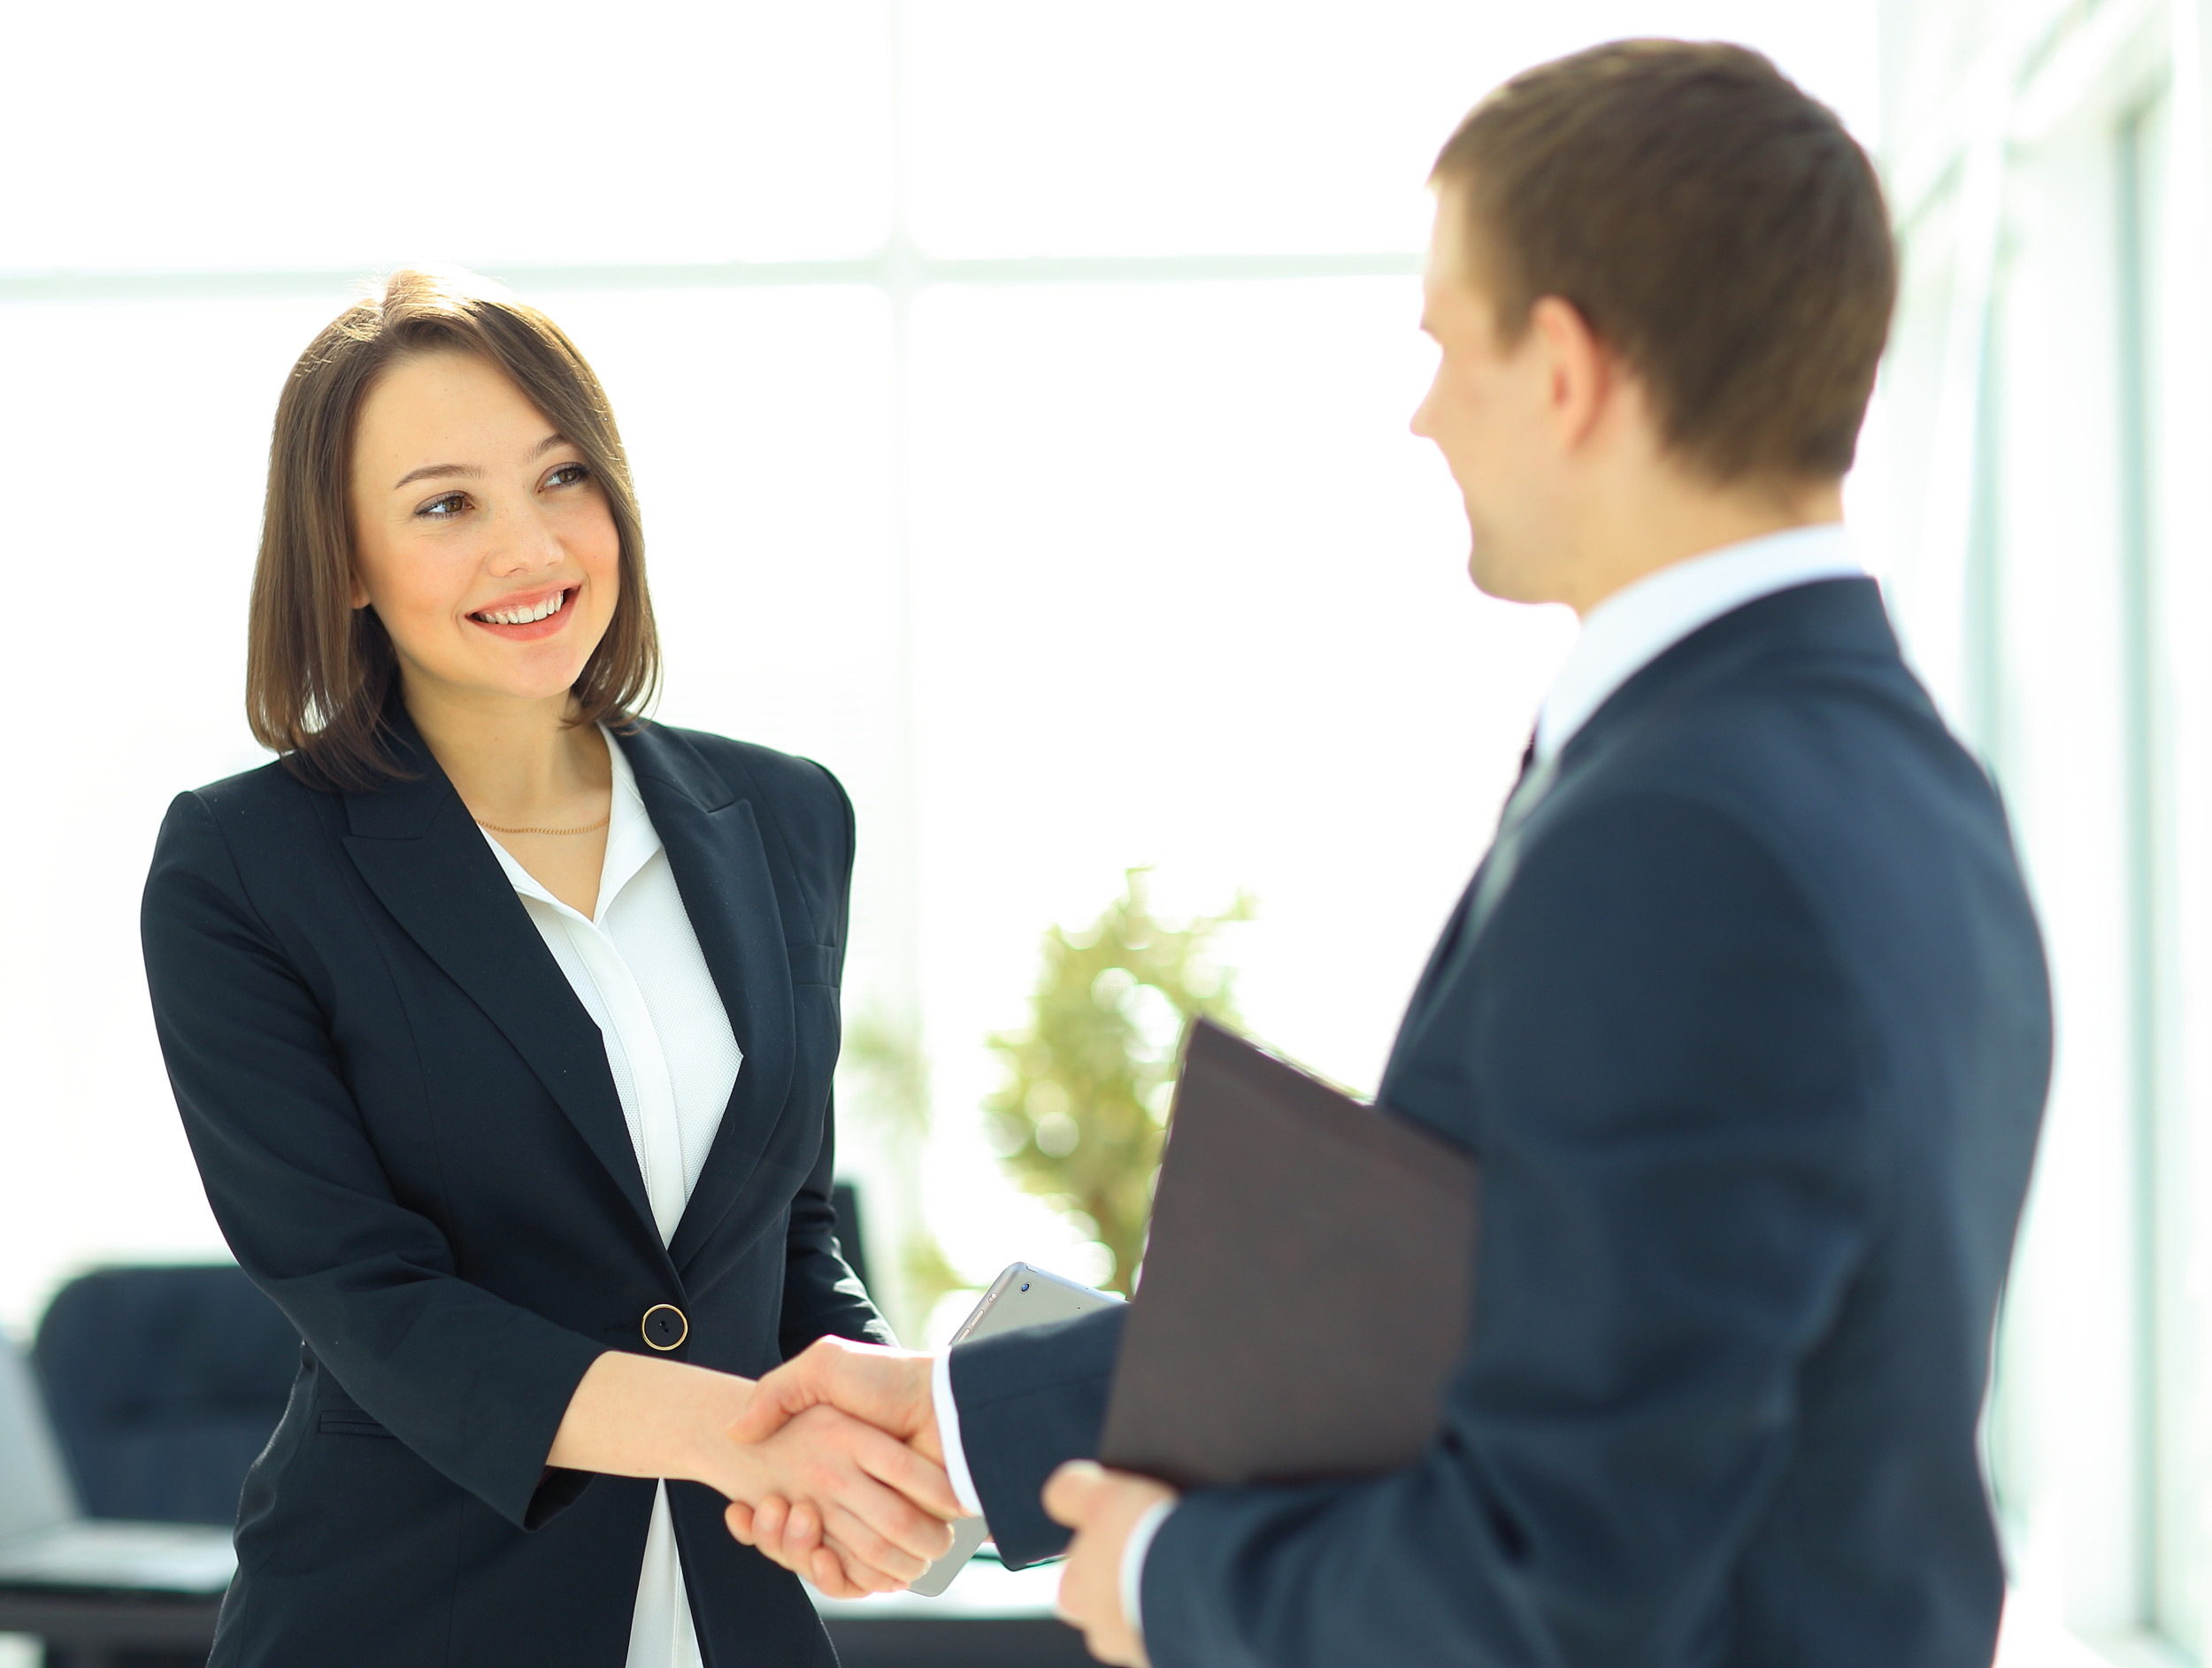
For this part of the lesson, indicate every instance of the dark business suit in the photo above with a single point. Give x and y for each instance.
(1746, 1018)
(407, 1127)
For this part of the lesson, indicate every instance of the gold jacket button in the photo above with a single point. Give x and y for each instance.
(666, 1326)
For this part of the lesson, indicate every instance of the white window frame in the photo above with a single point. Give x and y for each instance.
(2082, 85)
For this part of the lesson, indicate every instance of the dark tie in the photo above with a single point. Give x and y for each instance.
(1497, 868)
(1481, 891)
(1528, 767)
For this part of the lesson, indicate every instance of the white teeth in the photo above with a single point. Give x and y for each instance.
(524, 616)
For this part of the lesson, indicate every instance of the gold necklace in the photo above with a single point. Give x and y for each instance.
(595, 828)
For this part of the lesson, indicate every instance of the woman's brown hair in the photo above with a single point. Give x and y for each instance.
(319, 672)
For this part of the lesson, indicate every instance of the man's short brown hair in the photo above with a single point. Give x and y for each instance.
(320, 672)
(1716, 227)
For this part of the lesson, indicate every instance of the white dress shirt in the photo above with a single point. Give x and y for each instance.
(636, 967)
(1637, 624)
(1620, 637)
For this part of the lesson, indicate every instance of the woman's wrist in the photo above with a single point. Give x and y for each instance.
(637, 1415)
(709, 1455)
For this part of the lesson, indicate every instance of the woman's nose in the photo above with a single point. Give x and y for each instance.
(523, 541)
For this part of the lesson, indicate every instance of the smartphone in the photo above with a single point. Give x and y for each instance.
(1021, 1297)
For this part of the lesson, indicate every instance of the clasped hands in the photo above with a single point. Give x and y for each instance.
(846, 1556)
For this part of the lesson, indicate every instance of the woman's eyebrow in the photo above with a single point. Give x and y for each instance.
(435, 472)
(432, 471)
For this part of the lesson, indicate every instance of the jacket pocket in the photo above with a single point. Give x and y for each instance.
(349, 1421)
(812, 964)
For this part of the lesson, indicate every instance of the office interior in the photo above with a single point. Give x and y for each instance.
(1062, 356)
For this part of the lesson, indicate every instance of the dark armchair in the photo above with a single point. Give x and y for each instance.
(164, 1384)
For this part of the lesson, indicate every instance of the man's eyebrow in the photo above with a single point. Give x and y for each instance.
(470, 471)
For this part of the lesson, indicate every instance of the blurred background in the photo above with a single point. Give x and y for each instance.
(1017, 395)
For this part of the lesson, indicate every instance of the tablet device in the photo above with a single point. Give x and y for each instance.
(1021, 1297)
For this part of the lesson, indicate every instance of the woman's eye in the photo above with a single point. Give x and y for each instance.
(446, 508)
(568, 475)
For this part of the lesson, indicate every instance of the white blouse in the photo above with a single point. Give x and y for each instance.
(636, 967)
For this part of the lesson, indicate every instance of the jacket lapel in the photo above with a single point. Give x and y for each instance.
(427, 863)
(715, 850)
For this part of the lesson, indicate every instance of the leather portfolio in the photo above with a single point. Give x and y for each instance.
(1306, 1289)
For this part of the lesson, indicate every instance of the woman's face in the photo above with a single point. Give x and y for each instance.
(480, 537)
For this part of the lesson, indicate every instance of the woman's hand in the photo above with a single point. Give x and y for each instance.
(879, 1508)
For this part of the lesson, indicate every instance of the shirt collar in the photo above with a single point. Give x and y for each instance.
(631, 842)
(1636, 624)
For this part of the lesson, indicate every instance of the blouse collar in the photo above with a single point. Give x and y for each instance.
(631, 842)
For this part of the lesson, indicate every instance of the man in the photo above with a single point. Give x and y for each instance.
(1745, 1014)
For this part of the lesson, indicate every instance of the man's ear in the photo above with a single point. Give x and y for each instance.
(1580, 378)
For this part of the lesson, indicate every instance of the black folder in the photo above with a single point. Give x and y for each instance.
(1307, 1287)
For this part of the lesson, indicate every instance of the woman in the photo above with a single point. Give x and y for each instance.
(502, 1024)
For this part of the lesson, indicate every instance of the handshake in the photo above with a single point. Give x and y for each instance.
(850, 1487)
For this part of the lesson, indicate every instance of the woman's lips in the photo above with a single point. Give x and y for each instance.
(514, 620)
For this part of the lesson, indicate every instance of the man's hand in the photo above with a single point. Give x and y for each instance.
(881, 1507)
(887, 1389)
(1101, 1507)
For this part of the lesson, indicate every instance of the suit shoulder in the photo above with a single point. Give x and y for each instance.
(1841, 789)
(1647, 823)
(268, 803)
(805, 807)
(266, 788)
(788, 780)
(1811, 752)
(222, 844)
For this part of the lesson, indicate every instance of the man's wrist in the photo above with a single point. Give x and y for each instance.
(948, 1416)
(1134, 1550)
(918, 1417)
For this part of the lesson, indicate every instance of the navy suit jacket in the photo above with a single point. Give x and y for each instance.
(1747, 1022)
(407, 1130)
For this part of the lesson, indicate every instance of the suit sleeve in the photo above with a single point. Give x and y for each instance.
(822, 1296)
(475, 1384)
(1028, 1401)
(1664, 1064)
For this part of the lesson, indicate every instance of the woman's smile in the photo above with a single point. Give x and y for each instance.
(526, 615)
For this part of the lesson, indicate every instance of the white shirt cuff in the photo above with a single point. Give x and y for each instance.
(1133, 1556)
(948, 1433)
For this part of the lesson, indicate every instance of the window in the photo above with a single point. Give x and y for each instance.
(2050, 368)
(1018, 396)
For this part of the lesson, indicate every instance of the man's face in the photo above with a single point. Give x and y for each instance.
(1485, 411)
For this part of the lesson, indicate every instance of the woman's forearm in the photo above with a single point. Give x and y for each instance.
(633, 1416)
